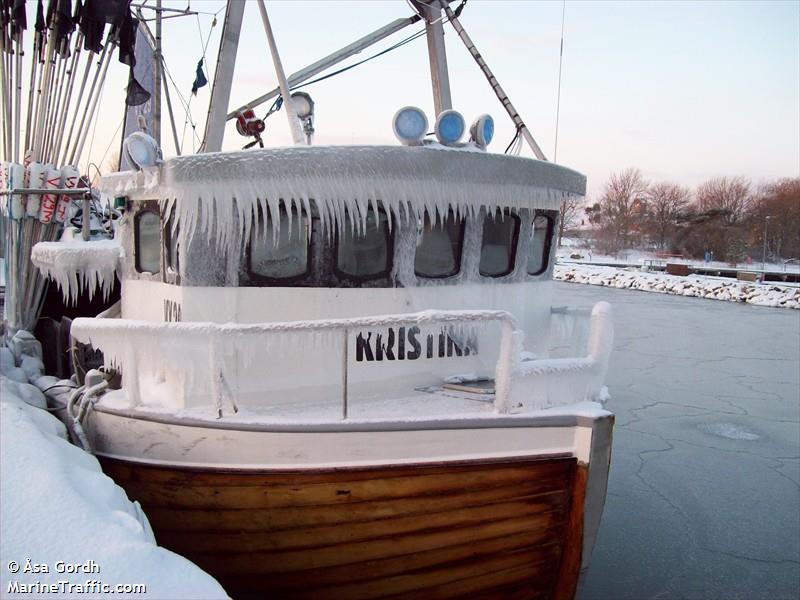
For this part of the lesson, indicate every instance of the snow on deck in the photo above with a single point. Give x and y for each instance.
(58, 508)
(714, 288)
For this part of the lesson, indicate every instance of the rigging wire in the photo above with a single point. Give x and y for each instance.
(560, 62)
(403, 42)
(113, 137)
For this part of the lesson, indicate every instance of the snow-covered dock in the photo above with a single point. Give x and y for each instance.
(713, 288)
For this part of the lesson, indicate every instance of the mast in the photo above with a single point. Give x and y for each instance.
(437, 55)
(294, 123)
(157, 78)
(501, 95)
(223, 77)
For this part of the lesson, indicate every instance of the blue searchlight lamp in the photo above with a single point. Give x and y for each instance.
(481, 131)
(410, 125)
(449, 127)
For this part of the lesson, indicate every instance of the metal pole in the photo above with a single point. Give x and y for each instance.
(171, 115)
(100, 67)
(73, 70)
(18, 98)
(512, 112)
(223, 76)
(437, 56)
(331, 60)
(31, 91)
(157, 79)
(764, 254)
(4, 79)
(47, 81)
(81, 90)
(294, 123)
(344, 374)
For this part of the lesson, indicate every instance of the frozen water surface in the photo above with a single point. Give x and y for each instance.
(704, 491)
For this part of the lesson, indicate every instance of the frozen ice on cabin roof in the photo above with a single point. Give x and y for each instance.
(71, 512)
(77, 265)
(220, 194)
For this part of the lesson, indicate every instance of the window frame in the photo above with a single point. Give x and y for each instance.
(548, 243)
(257, 278)
(170, 274)
(514, 245)
(459, 258)
(151, 209)
(386, 273)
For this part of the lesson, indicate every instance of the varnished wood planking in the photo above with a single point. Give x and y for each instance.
(233, 520)
(409, 563)
(238, 492)
(365, 532)
(309, 536)
(573, 544)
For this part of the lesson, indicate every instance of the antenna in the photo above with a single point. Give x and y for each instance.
(560, 61)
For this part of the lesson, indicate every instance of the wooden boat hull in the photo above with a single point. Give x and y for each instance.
(508, 528)
(505, 507)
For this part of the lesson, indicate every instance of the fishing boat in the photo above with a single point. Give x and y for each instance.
(337, 370)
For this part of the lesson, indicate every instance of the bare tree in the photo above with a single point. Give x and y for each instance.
(621, 208)
(728, 193)
(779, 203)
(570, 209)
(665, 202)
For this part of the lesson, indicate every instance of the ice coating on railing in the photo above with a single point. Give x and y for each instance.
(165, 365)
(78, 266)
(212, 360)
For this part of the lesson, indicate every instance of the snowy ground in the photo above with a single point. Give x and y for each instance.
(704, 492)
(58, 510)
(713, 288)
(573, 247)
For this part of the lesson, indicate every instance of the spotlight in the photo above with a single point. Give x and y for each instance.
(482, 130)
(449, 127)
(303, 105)
(140, 150)
(410, 125)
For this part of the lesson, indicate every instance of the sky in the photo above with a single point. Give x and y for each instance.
(685, 91)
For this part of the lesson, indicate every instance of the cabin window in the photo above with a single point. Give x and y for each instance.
(499, 245)
(147, 241)
(439, 246)
(280, 250)
(171, 243)
(541, 237)
(365, 253)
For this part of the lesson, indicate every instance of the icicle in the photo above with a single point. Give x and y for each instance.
(78, 266)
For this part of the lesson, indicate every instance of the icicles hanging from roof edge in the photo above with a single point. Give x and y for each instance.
(79, 266)
(231, 221)
(220, 194)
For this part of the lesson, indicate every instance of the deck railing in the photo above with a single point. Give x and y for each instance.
(111, 333)
(577, 378)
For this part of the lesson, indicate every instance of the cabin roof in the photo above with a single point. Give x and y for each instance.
(225, 191)
(392, 174)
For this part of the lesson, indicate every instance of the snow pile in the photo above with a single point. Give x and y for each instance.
(59, 511)
(701, 287)
(77, 265)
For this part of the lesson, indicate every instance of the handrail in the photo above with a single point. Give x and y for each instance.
(83, 329)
